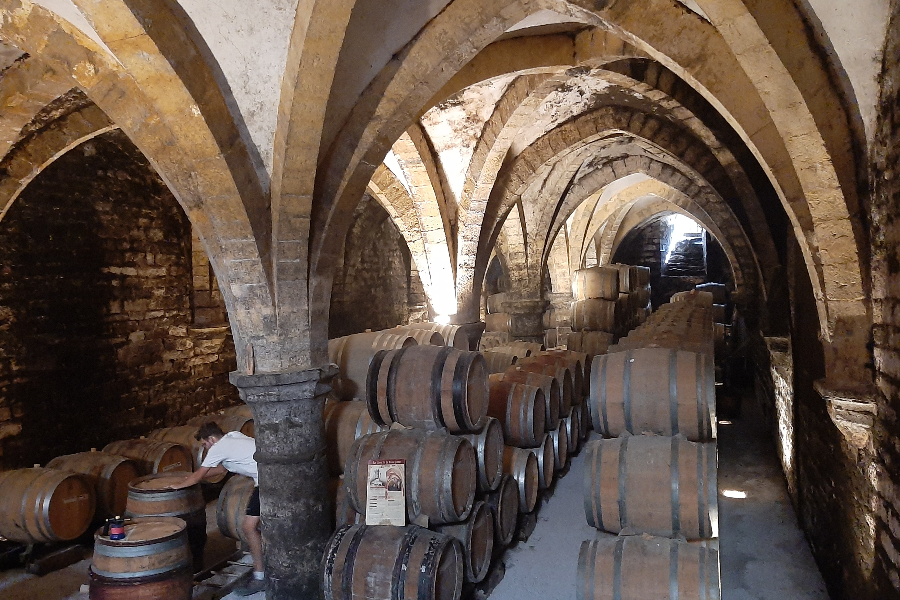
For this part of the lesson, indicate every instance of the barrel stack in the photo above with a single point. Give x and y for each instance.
(650, 485)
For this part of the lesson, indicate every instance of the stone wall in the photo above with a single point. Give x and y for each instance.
(97, 333)
(375, 286)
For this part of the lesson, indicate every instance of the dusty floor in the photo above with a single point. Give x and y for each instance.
(764, 556)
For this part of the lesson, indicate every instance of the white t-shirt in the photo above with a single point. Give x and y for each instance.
(234, 452)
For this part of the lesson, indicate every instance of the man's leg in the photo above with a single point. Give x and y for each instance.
(250, 525)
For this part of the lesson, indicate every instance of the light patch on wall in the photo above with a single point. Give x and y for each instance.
(734, 494)
(393, 163)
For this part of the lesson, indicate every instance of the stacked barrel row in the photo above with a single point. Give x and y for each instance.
(477, 452)
(613, 299)
(650, 485)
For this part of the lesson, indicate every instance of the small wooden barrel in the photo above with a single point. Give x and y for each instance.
(654, 390)
(547, 383)
(476, 534)
(441, 472)
(385, 563)
(658, 485)
(453, 335)
(560, 438)
(498, 362)
(153, 456)
(110, 475)
(44, 505)
(640, 567)
(423, 337)
(239, 423)
(643, 276)
(488, 444)
(152, 562)
(495, 302)
(521, 408)
(557, 317)
(493, 340)
(594, 315)
(343, 510)
(504, 504)
(231, 508)
(559, 371)
(581, 361)
(428, 387)
(183, 435)
(546, 457)
(592, 343)
(628, 277)
(149, 496)
(353, 353)
(345, 422)
(522, 465)
(596, 282)
(573, 431)
(498, 322)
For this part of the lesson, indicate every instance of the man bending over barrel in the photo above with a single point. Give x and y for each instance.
(233, 451)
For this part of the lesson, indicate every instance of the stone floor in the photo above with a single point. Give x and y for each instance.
(763, 554)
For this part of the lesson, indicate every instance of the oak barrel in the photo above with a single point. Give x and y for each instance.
(595, 315)
(453, 335)
(651, 484)
(591, 343)
(560, 438)
(428, 387)
(547, 383)
(44, 505)
(628, 277)
(183, 435)
(596, 282)
(353, 353)
(573, 431)
(528, 348)
(425, 337)
(494, 303)
(654, 390)
(441, 471)
(152, 562)
(149, 496)
(570, 364)
(231, 507)
(641, 567)
(504, 505)
(153, 456)
(381, 562)
(557, 369)
(488, 444)
(521, 409)
(345, 422)
(498, 362)
(343, 511)
(522, 465)
(546, 457)
(498, 322)
(109, 474)
(476, 534)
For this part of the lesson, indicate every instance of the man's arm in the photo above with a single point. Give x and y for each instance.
(198, 476)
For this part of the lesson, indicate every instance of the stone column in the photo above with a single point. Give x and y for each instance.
(293, 477)
(526, 317)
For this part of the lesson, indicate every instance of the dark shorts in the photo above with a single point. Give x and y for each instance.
(253, 505)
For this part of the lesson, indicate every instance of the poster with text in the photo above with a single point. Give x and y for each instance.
(386, 493)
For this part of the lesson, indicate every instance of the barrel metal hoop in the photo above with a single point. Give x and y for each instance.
(702, 428)
(429, 566)
(372, 387)
(330, 556)
(605, 424)
(350, 560)
(623, 517)
(412, 479)
(143, 573)
(673, 390)
(676, 491)
(398, 576)
(592, 565)
(391, 392)
(626, 390)
(156, 496)
(673, 569)
(460, 381)
(437, 376)
(142, 550)
(617, 568)
(702, 510)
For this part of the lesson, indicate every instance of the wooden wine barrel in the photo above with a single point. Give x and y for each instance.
(628, 277)
(640, 567)
(441, 472)
(428, 387)
(495, 302)
(498, 322)
(149, 496)
(353, 353)
(241, 410)
(643, 276)
(231, 506)
(592, 343)
(557, 317)
(548, 384)
(596, 283)
(528, 348)
(498, 362)
(546, 457)
(718, 313)
(572, 363)
(153, 456)
(239, 423)
(654, 390)
(521, 408)
(453, 335)
(702, 298)
(573, 431)
(423, 337)
(345, 422)
(109, 474)
(343, 511)
(522, 465)
(504, 505)
(488, 444)
(184, 435)
(151, 563)
(651, 484)
(44, 505)
(560, 438)
(476, 534)
(718, 291)
(557, 369)
(582, 362)
(387, 563)
(584, 420)
(493, 339)
(595, 315)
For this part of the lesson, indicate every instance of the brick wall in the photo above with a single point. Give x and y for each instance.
(97, 333)
(375, 286)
